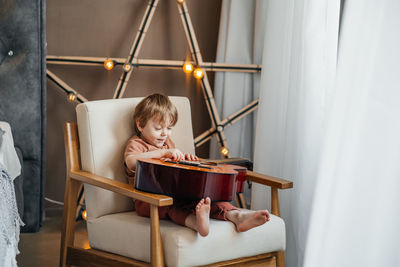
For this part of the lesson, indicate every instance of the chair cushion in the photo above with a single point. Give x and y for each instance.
(128, 234)
(104, 128)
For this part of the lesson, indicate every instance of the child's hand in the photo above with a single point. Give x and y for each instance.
(174, 154)
(191, 157)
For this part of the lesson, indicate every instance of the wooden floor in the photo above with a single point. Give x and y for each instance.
(43, 248)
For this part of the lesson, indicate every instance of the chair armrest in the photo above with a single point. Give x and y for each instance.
(268, 180)
(120, 188)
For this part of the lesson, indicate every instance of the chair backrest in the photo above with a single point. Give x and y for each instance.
(104, 128)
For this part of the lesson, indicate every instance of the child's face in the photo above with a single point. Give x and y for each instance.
(155, 132)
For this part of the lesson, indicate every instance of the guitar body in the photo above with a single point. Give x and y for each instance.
(180, 181)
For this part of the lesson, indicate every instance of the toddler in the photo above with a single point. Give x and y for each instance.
(153, 120)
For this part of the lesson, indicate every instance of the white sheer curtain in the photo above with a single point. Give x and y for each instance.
(299, 65)
(299, 61)
(330, 122)
(356, 214)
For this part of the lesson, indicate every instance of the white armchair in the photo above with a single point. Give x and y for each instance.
(119, 237)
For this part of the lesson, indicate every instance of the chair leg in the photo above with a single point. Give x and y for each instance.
(68, 223)
(275, 202)
(240, 202)
(280, 255)
(157, 255)
(280, 259)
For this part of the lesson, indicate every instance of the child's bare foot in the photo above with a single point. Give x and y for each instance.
(203, 216)
(245, 221)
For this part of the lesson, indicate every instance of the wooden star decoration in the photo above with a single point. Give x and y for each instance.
(197, 66)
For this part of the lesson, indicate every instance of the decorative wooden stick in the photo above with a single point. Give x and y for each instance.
(240, 113)
(204, 137)
(123, 81)
(65, 87)
(151, 63)
(210, 66)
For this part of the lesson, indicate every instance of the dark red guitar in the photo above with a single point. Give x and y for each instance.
(190, 180)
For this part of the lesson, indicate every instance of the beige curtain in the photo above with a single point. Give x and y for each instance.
(240, 41)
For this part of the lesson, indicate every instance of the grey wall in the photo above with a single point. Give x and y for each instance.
(107, 28)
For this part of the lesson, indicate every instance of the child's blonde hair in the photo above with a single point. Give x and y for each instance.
(155, 105)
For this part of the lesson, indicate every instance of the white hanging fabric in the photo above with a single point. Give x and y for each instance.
(332, 127)
(356, 217)
(299, 65)
(8, 155)
(10, 221)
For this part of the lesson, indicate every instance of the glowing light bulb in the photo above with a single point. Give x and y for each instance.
(71, 97)
(180, 1)
(84, 215)
(224, 151)
(86, 244)
(188, 67)
(198, 73)
(108, 64)
(127, 67)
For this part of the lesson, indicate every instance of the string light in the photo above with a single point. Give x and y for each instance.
(86, 244)
(224, 151)
(188, 67)
(84, 215)
(127, 67)
(198, 73)
(71, 97)
(108, 64)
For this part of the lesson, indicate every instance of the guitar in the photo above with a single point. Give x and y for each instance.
(190, 180)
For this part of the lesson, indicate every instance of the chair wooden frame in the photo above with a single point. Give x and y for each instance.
(71, 255)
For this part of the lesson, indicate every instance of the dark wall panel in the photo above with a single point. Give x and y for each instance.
(22, 95)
